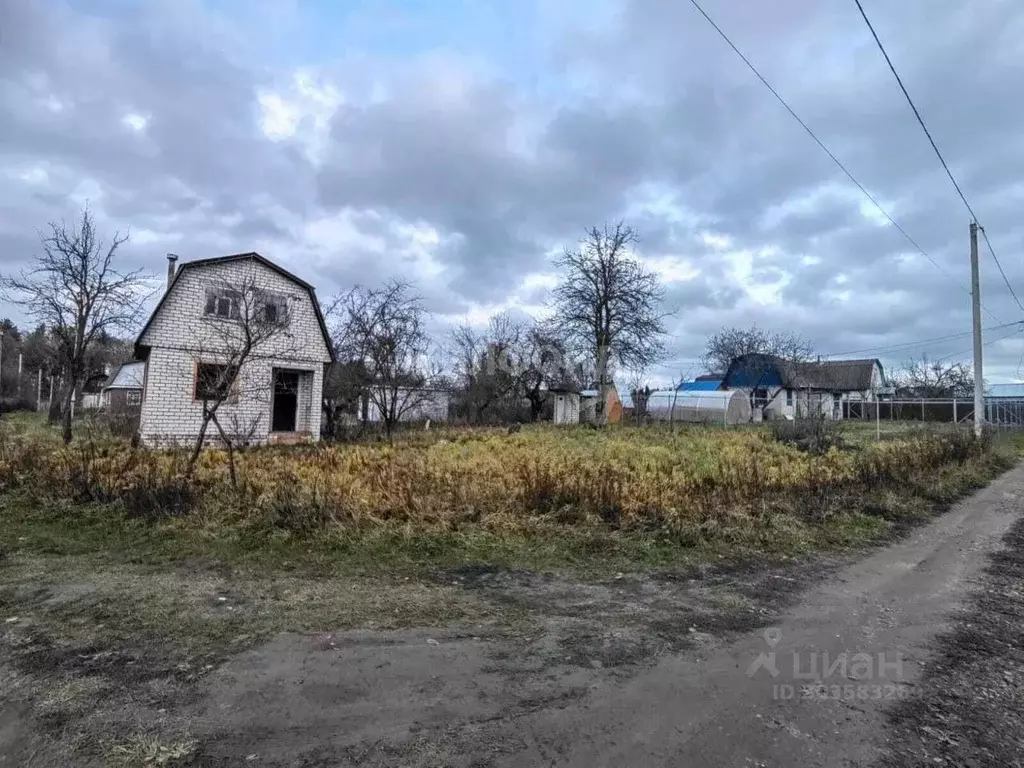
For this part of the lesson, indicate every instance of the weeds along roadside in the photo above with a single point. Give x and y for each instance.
(742, 490)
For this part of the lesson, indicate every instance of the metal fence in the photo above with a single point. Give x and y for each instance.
(999, 411)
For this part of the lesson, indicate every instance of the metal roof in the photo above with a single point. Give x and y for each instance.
(127, 376)
(700, 385)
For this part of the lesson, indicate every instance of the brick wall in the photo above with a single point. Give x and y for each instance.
(180, 336)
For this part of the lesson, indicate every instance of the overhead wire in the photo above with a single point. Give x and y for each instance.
(931, 140)
(987, 343)
(920, 342)
(826, 150)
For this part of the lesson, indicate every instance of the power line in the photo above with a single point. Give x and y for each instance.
(935, 146)
(987, 343)
(825, 149)
(995, 258)
(917, 114)
(919, 342)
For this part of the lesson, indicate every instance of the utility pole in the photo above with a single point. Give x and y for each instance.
(979, 379)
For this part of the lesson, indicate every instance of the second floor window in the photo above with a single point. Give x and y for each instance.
(275, 309)
(221, 303)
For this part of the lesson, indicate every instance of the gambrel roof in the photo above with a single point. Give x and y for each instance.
(140, 349)
(756, 370)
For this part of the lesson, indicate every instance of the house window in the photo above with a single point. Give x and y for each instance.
(221, 303)
(275, 309)
(133, 397)
(789, 397)
(214, 381)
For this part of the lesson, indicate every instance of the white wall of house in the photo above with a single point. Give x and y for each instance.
(801, 403)
(181, 336)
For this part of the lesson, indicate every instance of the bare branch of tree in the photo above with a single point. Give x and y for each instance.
(729, 343)
(381, 332)
(934, 378)
(759, 346)
(608, 306)
(247, 325)
(75, 290)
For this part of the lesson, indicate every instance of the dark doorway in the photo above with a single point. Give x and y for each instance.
(286, 401)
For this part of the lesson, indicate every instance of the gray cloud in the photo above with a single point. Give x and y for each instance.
(645, 113)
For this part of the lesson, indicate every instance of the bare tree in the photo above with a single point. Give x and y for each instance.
(383, 332)
(487, 364)
(246, 324)
(934, 378)
(544, 362)
(608, 305)
(639, 392)
(505, 371)
(344, 386)
(74, 289)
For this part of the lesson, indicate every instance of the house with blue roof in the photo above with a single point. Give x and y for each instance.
(788, 389)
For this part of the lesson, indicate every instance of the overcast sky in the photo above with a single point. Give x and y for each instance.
(461, 143)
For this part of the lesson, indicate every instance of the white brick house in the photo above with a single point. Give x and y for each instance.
(277, 392)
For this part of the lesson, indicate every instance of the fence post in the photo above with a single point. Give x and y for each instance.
(878, 420)
(955, 420)
(922, 409)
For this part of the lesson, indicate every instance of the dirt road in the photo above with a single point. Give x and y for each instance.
(674, 685)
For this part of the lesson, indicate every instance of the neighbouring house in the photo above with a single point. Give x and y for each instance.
(122, 391)
(566, 405)
(91, 392)
(591, 405)
(186, 341)
(783, 389)
(413, 404)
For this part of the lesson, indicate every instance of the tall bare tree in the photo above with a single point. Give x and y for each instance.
(75, 290)
(608, 305)
(382, 331)
(248, 324)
